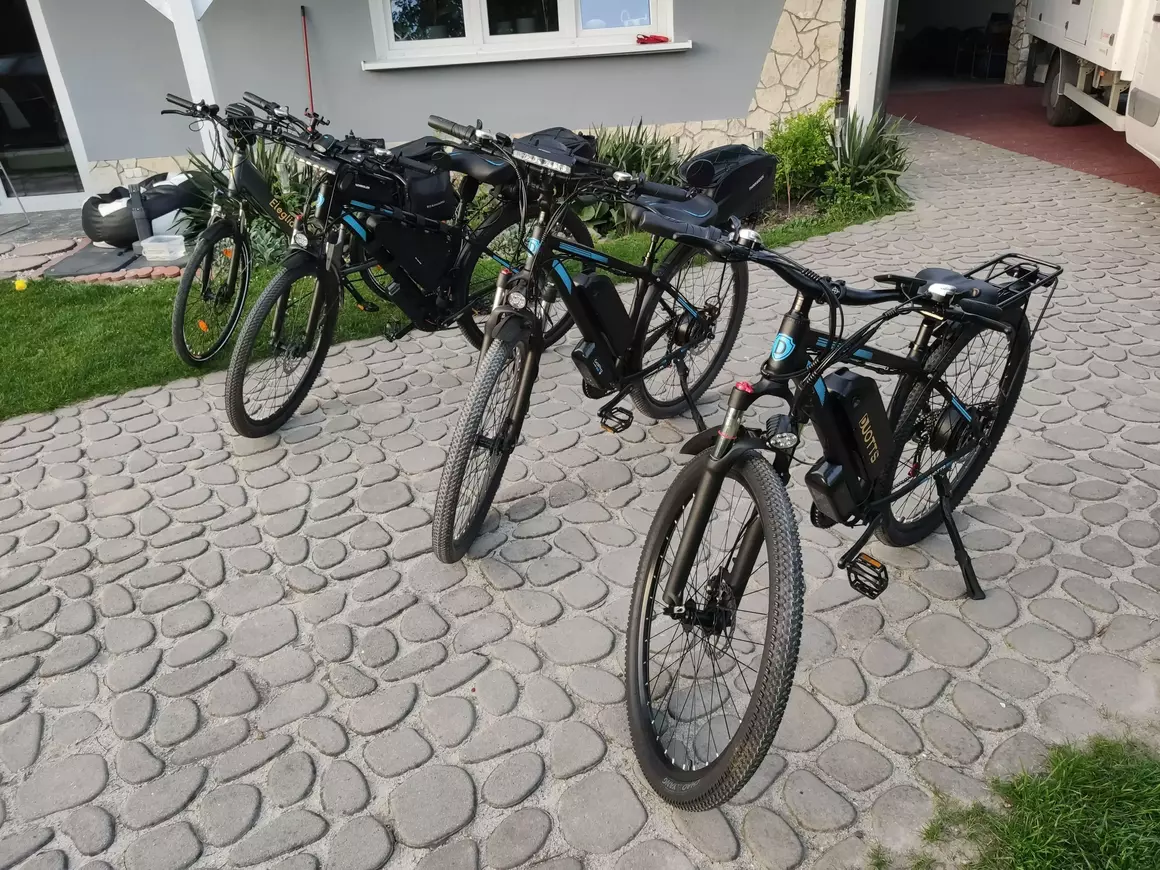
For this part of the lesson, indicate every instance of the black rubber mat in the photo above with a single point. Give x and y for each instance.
(91, 260)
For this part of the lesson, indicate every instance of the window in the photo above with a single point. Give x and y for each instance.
(439, 32)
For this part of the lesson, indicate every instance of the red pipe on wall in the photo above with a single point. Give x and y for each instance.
(306, 45)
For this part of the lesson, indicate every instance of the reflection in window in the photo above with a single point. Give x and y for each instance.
(597, 14)
(427, 19)
(522, 16)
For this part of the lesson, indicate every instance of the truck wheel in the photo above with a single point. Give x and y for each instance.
(1061, 112)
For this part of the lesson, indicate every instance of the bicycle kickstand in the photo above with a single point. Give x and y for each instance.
(683, 371)
(961, 555)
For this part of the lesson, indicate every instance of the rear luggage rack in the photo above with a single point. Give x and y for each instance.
(1018, 276)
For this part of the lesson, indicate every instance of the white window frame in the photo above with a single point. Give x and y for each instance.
(479, 45)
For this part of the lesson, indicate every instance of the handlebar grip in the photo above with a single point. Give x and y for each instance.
(657, 225)
(981, 309)
(261, 103)
(664, 191)
(180, 101)
(442, 125)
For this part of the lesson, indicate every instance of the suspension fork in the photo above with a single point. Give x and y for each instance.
(725, 451)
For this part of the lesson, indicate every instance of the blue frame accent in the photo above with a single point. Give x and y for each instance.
(581, 252)
(356, 226)
(820, 390)
(860, 353)
(959, 407)
(367, 205)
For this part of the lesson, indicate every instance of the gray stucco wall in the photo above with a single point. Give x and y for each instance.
(257, 45)
(119, 58)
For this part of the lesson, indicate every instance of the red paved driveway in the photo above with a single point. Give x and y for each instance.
(1012, 117)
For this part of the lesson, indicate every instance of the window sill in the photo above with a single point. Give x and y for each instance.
(547, 52)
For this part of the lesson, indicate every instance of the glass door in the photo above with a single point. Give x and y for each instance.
(34, 145)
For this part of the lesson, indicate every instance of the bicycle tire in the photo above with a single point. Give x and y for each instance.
(722, 778)
(451, 534)
(240, 268)
(248, 349)
(642, 396)
(915, 412)
(491, 229)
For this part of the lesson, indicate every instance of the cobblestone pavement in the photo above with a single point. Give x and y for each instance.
(237, 652)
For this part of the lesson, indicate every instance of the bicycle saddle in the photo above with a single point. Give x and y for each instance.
(699, 211)
(971, 288)
(484, 168)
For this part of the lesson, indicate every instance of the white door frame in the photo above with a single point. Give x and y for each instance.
(48, 202)
(874, 22)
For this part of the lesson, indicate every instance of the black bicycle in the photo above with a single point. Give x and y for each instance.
(716, 612)
(211, 295)
(664, 349)
(441, 249)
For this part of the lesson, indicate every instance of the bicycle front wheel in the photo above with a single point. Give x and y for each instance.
(489, 424)
(707, 686)
(211, 294)
(282, 348)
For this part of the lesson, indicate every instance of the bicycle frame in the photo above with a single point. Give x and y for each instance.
(542, 244)
(798, 354)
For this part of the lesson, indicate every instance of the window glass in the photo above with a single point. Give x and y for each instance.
(522, 16)
(427, 19)
(599, 14)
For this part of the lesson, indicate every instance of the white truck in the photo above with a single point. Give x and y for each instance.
(1100, 57)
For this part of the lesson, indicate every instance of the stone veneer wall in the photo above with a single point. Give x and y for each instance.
(801, 71)
(107, 174)
(1018, 53)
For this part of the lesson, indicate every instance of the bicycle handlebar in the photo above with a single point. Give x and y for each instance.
(188, 105)
(398, 159)
(450, 128)
(262, 103)
(664, 191)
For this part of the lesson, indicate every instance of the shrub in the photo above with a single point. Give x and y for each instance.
(866, 160)
(635, 148)
(802, 145)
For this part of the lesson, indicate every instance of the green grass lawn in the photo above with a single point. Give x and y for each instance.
(64, 343)
(1093, 808)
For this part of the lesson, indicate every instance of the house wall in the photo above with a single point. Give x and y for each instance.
(119, 58)
(729, 87)
(257, 45)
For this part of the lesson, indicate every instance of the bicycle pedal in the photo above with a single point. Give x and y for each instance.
(615, 420)
(398, 332)
(367, 307)
(867, 576)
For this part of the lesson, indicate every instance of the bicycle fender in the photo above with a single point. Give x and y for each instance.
(703, 440)
(298, 257)
(512, 325)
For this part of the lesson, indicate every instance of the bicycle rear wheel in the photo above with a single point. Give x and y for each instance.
(718, 293)
(211, 294)
(500, 234)
(707, 688)
(489, 424)
(985, 369)
(282, 348)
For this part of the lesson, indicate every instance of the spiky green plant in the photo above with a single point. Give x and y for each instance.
(866, 161)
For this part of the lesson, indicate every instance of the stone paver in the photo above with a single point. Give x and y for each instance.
(220, 652)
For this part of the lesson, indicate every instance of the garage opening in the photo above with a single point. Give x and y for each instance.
(34, 147)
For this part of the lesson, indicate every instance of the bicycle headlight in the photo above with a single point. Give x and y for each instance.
(517, 300)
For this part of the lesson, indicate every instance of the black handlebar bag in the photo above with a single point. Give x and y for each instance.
(743, 178)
